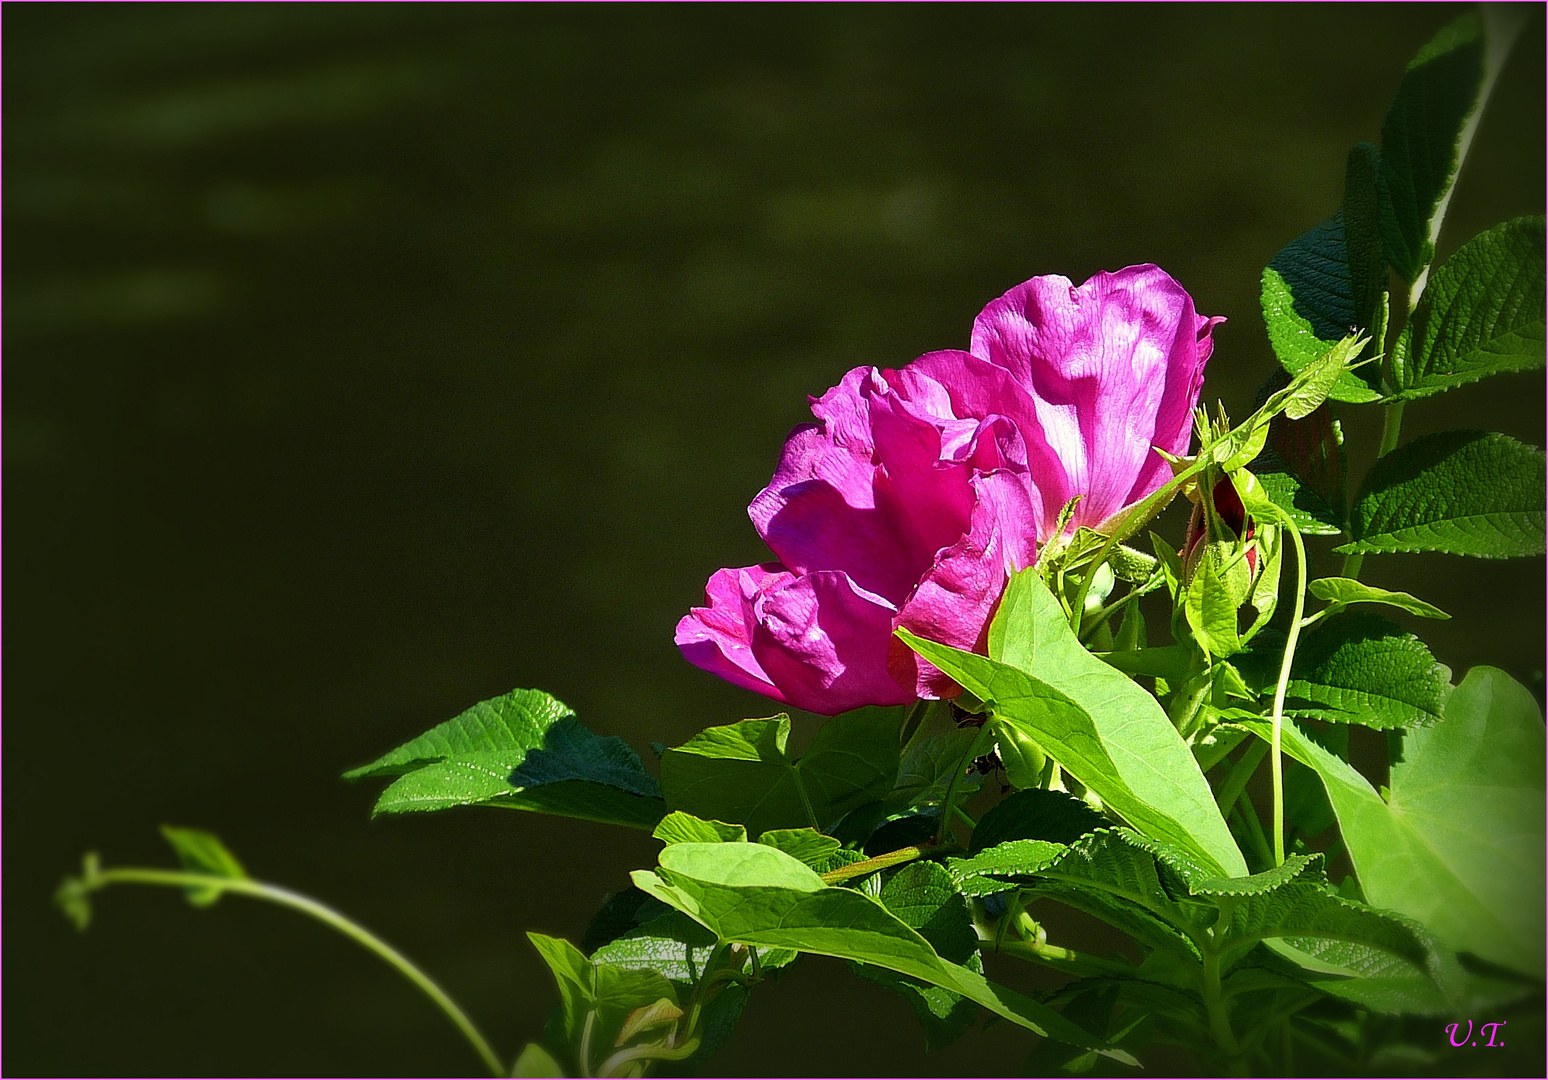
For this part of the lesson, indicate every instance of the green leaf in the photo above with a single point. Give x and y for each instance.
(1302, 467)
(1458, 844)
(535, 1061)
(926, 772)
(1463, 492)
(523, 750)
(1160, 661)
(1481, 315)
(203, 853)
(1316, 381)
(1107, 731)
(743, 772)
(680, 828)
(671, 944)
(995, 869)
(1359, 668)
(1308, 306)
(1019, 753)
(924, 896)
(596, 1000)
(808, 845)
(510, 724)
(1426, 134)
(945, 1016)
(1211, 610)
(1037, 814)
(1342, 591)
(761, 896)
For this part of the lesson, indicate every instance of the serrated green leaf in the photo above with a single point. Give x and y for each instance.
(761, 896)
(1113, 875)
(510, 724)
(1458, 844)
(743, 772)
(1359, 668)
(1425, 137)
(1037, 814)
(1308, 306)
(925, 897)
(202, 853)
(1481, 315)
(1107, 731)
(995, 869)
(808, 845)
(680, 828)
(1342, 591)
(1463, 492)
(524, 750)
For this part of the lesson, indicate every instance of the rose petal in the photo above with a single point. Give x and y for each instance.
(824, 642)
(956, 600)
(1113, 368)
(718, 638)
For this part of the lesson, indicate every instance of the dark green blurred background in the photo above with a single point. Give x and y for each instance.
(366, 361)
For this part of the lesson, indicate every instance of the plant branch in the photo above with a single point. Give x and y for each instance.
(322, 913)
(1276, 761)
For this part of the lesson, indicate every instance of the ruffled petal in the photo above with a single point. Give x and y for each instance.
(824, 642)
(718, 638)
(956, 600)
(1113, 367)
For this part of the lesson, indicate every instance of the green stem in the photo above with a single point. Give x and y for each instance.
(1241, 772)
(306, 905)
(1250, 823)
(1391, 431)
(1214, 1004)
(806, 802)
(648, 1053)
(1103, 614)
(943, 833)
(1277, 762)
(881, 862)
(914, 723)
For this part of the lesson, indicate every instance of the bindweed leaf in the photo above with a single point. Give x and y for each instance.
(1428, 128)
(535, 1061)
(762, 897)
(1102, 727)
(1342, 591)
(524, 750)
(1458, 843)
(744, 772)
(203, 853)
(596, 1001)
(1481, 315)
(680, 828)
(1463, 492)
(927, 771)
(811, 847)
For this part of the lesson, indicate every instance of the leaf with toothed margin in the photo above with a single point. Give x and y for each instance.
(1462, 492)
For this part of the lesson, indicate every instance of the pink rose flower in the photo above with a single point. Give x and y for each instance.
(918, 492)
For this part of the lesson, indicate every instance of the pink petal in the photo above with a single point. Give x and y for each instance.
(824, 643)
(1113, 367)
(956, 600)
(718, 638)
